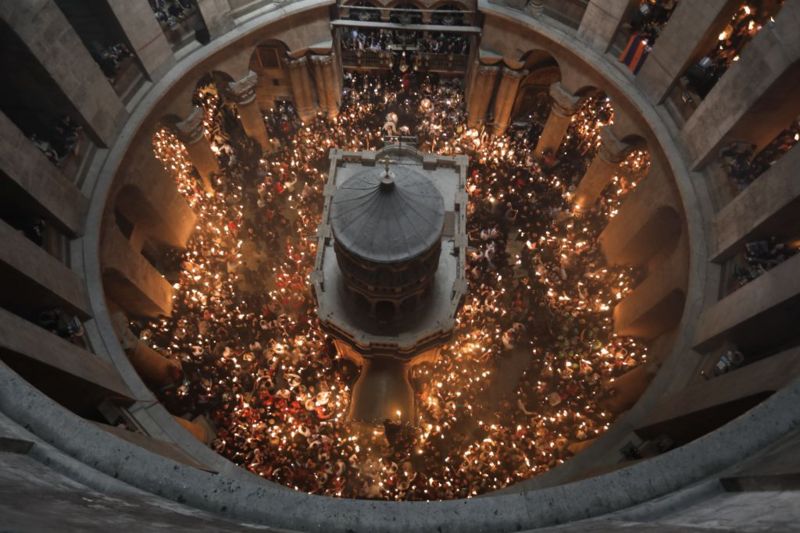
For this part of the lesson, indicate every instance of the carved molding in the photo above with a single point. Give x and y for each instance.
(564, 102)
(190, 130)
(243, 91)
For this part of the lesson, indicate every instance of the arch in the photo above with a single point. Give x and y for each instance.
(350, 10)
(536, 58)
(456, 4)
(439, 13)
(414, 15)
(404, 4)
(635, 142)
(532, 96)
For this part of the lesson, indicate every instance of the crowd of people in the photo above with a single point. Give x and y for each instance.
(758, 257)
(170, 13)
(743, 26)
(60, 141)
(384, 40)
(525, 377)
(744, 166)
(110, 58)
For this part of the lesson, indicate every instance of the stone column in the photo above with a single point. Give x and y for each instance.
(302, 88)
(626, 389)
(243, 93)
(190, 132)
(481, 94)
(200, 428)
(216, 15)
(564, 106)
(768, 69)
(655, 306)
(47, 34)
(757, 311)
(506, 96)
(647, 222)
(600, 22)
(704, 405)
(149, 199)
(692, 31)
(30, 272)
(145, 35)
(154, 368)
(21, 163)
(769, 202)
(129, 279)
(604, 165)
(326, 83)
(322, 81)
(534, 8)
(21, 337)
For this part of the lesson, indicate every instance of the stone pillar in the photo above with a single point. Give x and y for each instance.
(130, 280)
(534, 8)
(753, 312)
(21, 337)
(48, 35)
(302, 88)
(145, 35)
(626, 389)
(243, 93)
(154, 368)
(768, 68)
(326, 83)
(692, 31)
(200, 428)
(646, 223)
(30, 272)
(564, 106)
(600, 22)
(506, 96)
(216, 15)
(603, 168)
(704, 405)
(768, 202)
(481, 94)
(149, 198)
(23, 165)
(190, 132)
(655, 306)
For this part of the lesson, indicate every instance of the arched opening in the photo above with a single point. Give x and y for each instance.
(371, 14)
(448, 14)
(405, 13)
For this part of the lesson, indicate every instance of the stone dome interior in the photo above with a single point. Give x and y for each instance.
(621, 344)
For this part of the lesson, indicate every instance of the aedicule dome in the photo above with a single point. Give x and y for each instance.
(387, 220)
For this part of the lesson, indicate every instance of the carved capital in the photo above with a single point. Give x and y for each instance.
(564, 102)
(190, 130)
(514, 74)
(243, 91)
(612, 149)
(487, 71)
(298, 63)
(322, 59)
(535, 8)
